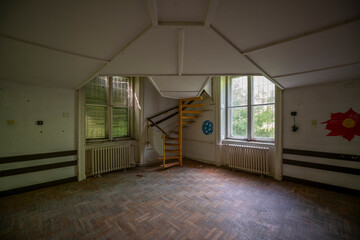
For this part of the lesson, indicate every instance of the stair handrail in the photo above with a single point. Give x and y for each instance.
(180, 108)
(157, 126)
(168, 117)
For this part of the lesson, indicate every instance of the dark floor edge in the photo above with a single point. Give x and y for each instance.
(322, 185)
(36, 186)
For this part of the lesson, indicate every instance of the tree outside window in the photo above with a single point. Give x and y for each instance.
(251, 108)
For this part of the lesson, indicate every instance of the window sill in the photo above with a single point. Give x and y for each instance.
(108, 143)
(240, 141)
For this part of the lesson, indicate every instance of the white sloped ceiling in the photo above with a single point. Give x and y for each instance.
(179, 44)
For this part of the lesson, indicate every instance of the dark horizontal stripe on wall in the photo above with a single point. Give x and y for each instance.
(322, 185)
(36, 186)
(332, 168)
(339, 156)
(23, 158)
(31, 169)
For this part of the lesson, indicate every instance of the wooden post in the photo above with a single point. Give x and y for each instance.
(180, 132)
(163, 150)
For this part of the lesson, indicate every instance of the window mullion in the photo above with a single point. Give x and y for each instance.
(227, 115)
(110, 109)
(249, 110)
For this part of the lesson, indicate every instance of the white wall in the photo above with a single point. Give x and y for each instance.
(317, 103)
(314, 105)
(25, 105)
(154, 103)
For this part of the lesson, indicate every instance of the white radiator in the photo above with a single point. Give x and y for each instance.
(108, 159)
(248, 158)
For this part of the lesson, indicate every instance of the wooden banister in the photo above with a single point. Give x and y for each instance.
(154, 124)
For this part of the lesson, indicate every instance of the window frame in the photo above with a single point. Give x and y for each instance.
(249, 105)
(109, 113)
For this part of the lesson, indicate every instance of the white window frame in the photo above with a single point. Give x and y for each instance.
(249, 105)
(110, 106)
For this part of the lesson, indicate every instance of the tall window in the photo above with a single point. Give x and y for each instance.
(108, 108)
(251, 108)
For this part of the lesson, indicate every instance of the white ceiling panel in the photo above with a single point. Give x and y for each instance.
(183, 83)
(89, 27)
(326, 49)
(26, 63)
(179, 95)
(253, 23)
(207, 53)
(337, 74)
(181, 10)
(154, 53)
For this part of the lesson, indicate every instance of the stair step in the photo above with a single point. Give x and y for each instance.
(192, 111)
(169, 158)
(175, 150)
(191, 99)
(171, 138)
(170, 164)
(193, 105)
(189, 117)
(171, 144)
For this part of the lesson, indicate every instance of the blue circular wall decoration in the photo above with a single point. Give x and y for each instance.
(207, 127)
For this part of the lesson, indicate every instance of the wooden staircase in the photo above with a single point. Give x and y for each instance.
(173, 145)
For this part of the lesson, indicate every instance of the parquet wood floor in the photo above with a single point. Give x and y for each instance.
(196, 201)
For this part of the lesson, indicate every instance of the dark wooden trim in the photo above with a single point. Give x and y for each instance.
(23, 158)
(170, 116)
(354, 171)
(166, 118)
(338, 156)
(163, 112)
(37, 168)
(36, 186)
(322, 185)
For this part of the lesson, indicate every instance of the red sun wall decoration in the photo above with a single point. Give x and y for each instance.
(346, 124)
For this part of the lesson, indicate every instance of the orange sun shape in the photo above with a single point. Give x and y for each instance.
(346, 124)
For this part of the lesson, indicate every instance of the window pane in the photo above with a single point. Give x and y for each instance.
(120, 94)
(120, 122)
(264, 90)
(97, 91)
(264, 121)
(239, 91)
(239, 122)
(96, 122)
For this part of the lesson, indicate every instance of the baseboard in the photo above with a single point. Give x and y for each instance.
(37, 186)
(322, 185)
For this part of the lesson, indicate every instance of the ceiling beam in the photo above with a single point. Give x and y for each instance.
(53, 48)
(153, 12)
(180, 34)
(259, 48)
(154, 84)
(181, 25)
(96, 73)
(317, 70)
(246, 57)
(210, 12)
(204, 85)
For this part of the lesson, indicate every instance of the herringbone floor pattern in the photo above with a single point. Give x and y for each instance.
(192, 202)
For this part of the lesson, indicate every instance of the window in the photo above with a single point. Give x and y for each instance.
(251, 108)
(108, 108)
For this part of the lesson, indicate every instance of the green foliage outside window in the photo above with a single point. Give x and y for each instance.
(262, 104)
